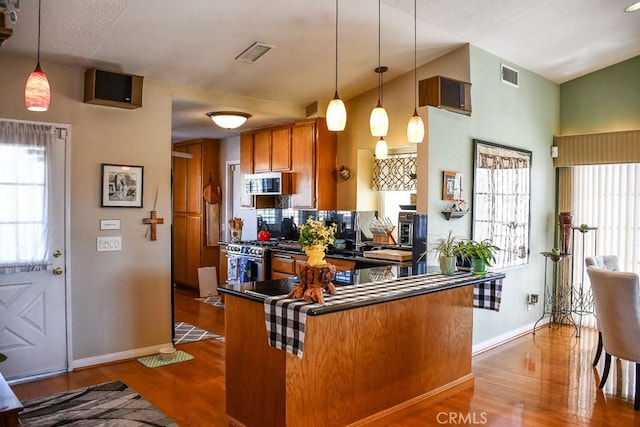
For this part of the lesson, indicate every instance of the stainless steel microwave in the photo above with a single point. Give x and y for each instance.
(268, 183)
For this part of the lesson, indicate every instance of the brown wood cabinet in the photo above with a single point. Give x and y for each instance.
(307, 149)
(313, 162)
(286, 265)
(365, 366)
(190, 176)
(272, 149)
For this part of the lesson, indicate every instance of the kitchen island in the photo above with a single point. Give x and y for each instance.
(368, 360)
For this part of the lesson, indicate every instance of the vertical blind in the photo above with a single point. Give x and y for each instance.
(606, 197)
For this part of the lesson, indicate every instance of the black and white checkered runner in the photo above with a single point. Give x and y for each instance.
(285, 318)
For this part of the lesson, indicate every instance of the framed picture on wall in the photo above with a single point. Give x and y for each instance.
(121, 186)
(451, 185)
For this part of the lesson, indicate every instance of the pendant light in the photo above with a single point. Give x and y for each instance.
(336, 111)
(37, 93)
(379, 120)
(382, 150)
(415, 127)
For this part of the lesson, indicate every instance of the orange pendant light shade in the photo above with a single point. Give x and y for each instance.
(37, 93)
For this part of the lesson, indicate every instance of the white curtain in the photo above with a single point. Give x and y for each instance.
(606, 197)
(502, 190)
(24, 195)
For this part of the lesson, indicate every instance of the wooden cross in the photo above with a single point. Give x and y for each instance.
(153, 221)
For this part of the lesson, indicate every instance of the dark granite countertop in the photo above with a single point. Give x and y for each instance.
(259, 291)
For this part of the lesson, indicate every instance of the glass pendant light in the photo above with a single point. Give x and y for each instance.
(336, 111)
(382, 150)
(379, 120)
(415, 127)
(37, 92)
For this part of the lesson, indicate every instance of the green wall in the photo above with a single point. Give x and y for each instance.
(526, 117)
(607, 100)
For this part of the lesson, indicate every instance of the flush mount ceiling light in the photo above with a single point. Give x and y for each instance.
(633, 7)
(336, 111)
(37, 92)
(415, 127)
(379, 120)
(228, 119)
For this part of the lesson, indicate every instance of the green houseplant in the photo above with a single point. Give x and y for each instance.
(446, 249)
(480, 253)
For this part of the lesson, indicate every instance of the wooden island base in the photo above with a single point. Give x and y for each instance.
(364, 366)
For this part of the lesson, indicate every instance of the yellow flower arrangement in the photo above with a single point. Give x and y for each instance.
(315, 232)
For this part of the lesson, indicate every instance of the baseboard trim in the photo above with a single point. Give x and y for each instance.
(509, 336)
(116, 357)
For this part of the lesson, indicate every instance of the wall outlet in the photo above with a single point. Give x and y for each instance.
(532, 299)
(109, 243)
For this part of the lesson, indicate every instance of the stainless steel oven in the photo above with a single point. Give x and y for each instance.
(247, 262)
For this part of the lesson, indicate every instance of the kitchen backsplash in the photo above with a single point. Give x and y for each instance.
(279, 222)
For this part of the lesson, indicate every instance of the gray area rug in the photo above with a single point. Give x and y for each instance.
(186, 333)
(108, 404)
(214, 300)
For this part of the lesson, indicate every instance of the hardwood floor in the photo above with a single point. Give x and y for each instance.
(541, 380)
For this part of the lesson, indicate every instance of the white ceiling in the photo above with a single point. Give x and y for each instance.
(194, 43)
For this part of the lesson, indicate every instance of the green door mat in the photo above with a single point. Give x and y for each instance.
(156, 360)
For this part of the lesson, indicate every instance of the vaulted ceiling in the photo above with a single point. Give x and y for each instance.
(195, 43)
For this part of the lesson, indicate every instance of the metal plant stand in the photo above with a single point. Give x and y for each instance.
(558, 293)
(581, 299)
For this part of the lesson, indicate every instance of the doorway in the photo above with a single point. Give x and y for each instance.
(33, 260)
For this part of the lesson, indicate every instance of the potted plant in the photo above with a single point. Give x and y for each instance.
(480, 253)
(315, 236)
(446, 249)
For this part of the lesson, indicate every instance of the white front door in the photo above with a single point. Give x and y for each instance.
(33, 304)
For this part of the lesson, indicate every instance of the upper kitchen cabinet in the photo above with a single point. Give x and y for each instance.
(272, 149)
(246, 167)
(313, 162)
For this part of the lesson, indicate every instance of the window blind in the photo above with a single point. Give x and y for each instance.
(607, 197)
(598, 149)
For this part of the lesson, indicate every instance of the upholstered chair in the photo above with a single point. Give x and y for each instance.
(603, 262)
(616, 295)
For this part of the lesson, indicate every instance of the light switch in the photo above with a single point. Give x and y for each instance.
(109, 243)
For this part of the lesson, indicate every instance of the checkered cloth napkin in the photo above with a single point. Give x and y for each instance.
(285, 317)
(488, 294)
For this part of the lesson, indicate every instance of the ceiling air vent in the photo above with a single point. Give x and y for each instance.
(509, 76)
(254, 52)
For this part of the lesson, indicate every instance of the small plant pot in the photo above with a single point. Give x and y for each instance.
(447, 265)
(478, 266)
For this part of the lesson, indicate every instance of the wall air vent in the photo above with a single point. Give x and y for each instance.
(254, 52)
(509, 76)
